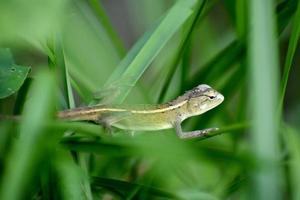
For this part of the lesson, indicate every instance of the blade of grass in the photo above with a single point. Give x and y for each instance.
(80, 127)
(236, 50)
(102, 17)
(66, 90)
(232, 128)
(57, 63)
(228, 89)
(173, 20)
(126, 187)
(290, 55)
(225, 60)
(188, 29)
(285, 10)
(33, 143)
(264, 68)
(222, 61)
(241, 18)
(70, 177)
(85, 57)
(111, 84)
(292, 141)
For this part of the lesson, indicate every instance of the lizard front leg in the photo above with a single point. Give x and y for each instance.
(191, 134)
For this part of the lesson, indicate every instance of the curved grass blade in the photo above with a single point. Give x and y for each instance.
(102, 17)
(91, 64)
(173, 20)
(290, 55)
(236, 50)
(188, 30)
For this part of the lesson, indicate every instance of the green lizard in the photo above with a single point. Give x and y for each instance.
(164, 116)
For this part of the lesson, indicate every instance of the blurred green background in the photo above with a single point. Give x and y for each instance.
(61, 54)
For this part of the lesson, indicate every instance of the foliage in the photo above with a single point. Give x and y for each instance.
(79, 55)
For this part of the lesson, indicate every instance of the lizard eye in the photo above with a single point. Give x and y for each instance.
(211, 97)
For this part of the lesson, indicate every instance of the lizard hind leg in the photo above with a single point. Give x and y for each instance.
(106, 126)
(108, 119)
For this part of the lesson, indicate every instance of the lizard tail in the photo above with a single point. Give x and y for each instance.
(78, 114)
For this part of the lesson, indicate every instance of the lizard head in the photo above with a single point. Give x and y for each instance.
(202, 98)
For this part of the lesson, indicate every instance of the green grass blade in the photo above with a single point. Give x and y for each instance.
(90, 55)
(173, 20)
(186, 37)
(290, 55)
(264, 68)
(65, 165)
(285, 10)
(126, 188)
(292, 141)
(102, 17)
(241, 18)
(224, 60)
(111, 83)
(236, 50)
(70, 177)
(57, 63)
(32, 143)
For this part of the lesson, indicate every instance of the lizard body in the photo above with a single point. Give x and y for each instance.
(164, 116)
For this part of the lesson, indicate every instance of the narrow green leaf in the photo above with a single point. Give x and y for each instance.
(183, 44)
(90, 55)
(173, 20)
(57, 63)
(112, 83)
(292, 140)
(103, 18)
(222, 62)
(290, 55)
(70, 177)
(12, 76)
(264, 68)
(33, 143)
(125, 187)
(241, 18)
(236, 50)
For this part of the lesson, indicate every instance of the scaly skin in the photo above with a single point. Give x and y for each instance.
(169, 115)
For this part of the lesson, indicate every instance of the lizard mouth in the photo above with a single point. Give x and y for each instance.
(220, 97)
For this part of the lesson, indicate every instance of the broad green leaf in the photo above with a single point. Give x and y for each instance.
(12, 76)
